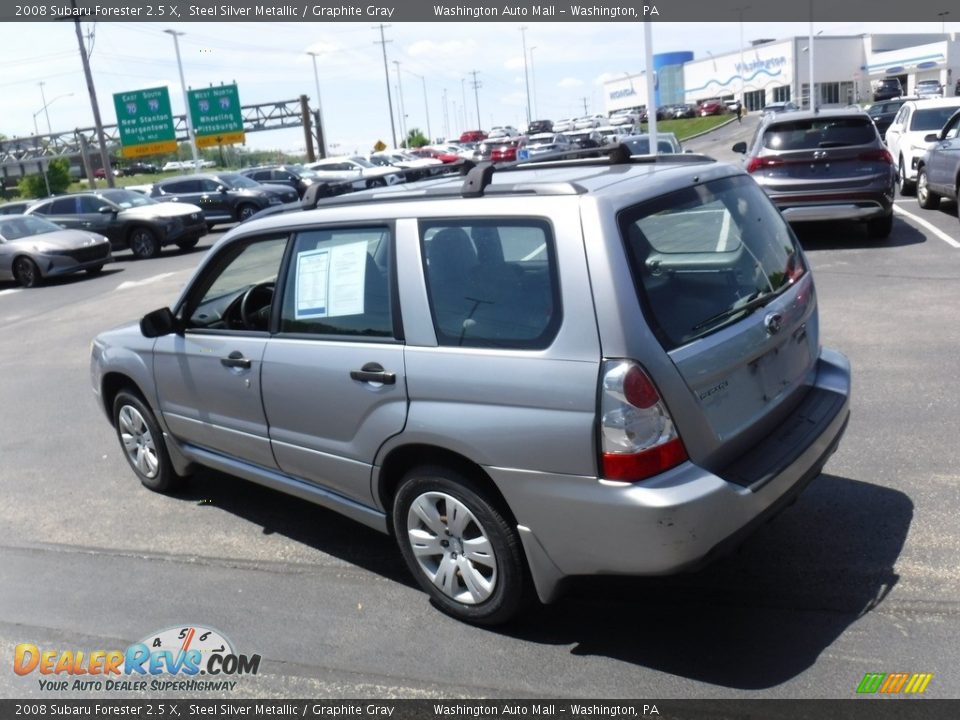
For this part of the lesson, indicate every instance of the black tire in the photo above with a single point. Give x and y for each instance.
(143, 243)
(144, 447)
(499, 576)
(880, 228)
(95, 270)
(926, 199)
(376, 183)
(188, 244)
(245, 211)
(906, 186)
(26, 272)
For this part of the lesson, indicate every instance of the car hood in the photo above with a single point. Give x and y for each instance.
(60, 240)
(163, 209)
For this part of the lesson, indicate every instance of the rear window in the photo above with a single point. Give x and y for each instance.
(706, 256)
(819, 132)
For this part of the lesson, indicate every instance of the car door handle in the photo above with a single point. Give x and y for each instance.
(373, 372)
(235, 360)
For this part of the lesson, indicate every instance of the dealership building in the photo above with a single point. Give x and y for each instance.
(846, 67)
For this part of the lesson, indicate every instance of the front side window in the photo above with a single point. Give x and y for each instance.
(705, 256)
(492, 283)
(338, 284)
(237, 294)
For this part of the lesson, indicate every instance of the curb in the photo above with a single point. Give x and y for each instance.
(715, 127)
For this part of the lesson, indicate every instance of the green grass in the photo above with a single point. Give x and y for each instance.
(120, 182)
(685, 127)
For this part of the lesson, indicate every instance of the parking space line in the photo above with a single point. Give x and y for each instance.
(10, 291)
(145, 281)
(928, 226)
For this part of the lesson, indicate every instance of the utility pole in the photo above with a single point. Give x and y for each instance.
(446, 117)
(584, 99)
(426, 105)
(526, 75)
(186, 101)
(386, 75)
(463, 98)
(476, 96)
(533, 79)
(101, 138)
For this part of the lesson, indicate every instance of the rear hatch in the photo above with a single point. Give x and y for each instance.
(820, 157)
(726, 290)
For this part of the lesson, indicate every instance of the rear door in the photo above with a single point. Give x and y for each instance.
(725, 288)
(334, 383)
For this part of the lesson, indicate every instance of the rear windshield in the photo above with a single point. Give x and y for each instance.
(819, 133)
(932, 118)
(706, 256)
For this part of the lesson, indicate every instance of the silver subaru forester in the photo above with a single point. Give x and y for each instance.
(553, 369)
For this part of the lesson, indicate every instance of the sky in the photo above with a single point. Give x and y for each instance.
(567, 64)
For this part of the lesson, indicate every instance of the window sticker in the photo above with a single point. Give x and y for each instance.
(330, 282)
(311, 290)
(348, 266)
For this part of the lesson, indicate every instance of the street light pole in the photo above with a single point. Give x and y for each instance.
(403, 112)
(526, 75)
(943, 24)
(742, 99)
(533, 80)
(426, 105)
(321, 135)
(36, 130)
(186, 100)
(45, 104)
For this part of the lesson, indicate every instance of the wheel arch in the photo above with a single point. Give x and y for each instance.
(110, 386)
(400, 460)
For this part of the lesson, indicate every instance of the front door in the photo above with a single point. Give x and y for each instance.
(208, 378)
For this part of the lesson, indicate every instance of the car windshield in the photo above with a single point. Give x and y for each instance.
(237, 181)
(379, 160)
(14, 228)
(362, 161)
(126, 198)
(708, 255)
(820, 132)
(931, 118)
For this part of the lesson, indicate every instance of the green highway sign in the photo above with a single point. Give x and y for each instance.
(216, 115)
(145, 122)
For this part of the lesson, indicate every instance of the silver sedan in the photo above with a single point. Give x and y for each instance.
(32, 249)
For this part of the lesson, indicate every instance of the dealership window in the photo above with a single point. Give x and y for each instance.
(836, 92)
(755, 99)
(781, 94)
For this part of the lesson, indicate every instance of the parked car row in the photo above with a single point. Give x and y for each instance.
(907, 135)
(938, 171)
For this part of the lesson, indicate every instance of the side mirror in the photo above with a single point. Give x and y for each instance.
(740, 147)
(932, 137)
(221, 189)
(106, 210)
(159, 323)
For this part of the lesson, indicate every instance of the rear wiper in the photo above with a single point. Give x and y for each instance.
(752, 302)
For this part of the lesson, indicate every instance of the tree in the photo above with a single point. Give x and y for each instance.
(416, 139)
(58, 177)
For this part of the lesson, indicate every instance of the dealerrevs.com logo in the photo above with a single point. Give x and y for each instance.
(186, 658)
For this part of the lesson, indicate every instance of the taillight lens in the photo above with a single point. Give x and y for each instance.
(877, 155)
(637, 436)
(760, 163)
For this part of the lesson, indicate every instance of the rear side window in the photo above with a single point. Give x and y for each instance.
(819, 133)
(932, 119)
(492, 283)
(703, 256)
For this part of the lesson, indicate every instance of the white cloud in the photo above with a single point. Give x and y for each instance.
(570, 82)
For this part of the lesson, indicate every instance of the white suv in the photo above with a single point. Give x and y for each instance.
(905, 136)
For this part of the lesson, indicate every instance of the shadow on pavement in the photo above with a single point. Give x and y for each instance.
(853, 235)
(757, 618)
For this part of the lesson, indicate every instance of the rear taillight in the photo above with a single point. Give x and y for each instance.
(759, 163)
(877, 155)
(637, 436)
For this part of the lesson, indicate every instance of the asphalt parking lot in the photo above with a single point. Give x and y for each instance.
(860, 575)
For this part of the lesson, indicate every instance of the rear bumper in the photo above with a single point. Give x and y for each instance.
(572, 525)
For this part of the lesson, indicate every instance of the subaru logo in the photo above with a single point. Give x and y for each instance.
(773, 322)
